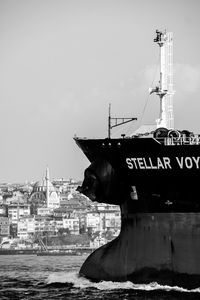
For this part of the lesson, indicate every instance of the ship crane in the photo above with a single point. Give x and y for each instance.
(165, 87)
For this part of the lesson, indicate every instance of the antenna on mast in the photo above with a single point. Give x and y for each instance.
(118, 121)
(165, 87)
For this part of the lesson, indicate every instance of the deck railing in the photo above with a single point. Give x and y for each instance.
(191, 140)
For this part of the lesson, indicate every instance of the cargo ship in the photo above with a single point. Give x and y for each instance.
(153, 175)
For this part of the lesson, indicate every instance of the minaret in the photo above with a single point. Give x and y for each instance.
(47, 186)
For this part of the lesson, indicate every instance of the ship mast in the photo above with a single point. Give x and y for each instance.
(165, 87)
(117, 121)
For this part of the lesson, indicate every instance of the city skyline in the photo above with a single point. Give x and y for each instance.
(63, 62)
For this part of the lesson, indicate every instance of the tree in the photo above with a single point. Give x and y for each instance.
(63, 231)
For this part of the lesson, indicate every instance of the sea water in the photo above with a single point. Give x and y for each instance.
(57, 277)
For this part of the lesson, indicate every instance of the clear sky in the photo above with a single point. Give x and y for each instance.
(63, 61)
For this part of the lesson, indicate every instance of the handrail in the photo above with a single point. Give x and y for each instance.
(170, 141)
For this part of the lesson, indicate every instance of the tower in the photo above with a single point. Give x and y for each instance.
(47, 186)
(165, 88)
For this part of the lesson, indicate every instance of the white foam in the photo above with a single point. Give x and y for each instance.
(83, 283)
(62, 277)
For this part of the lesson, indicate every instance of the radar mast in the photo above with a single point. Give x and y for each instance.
(165, 87)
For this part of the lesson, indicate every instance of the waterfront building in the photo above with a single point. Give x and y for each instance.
(93, 221)
(58, 223)
(72, 224)
(82, 221)
(4, 227)
(16, 211)
(68, 186)
(64, 212)
(112, 219)
(72, 186)
(44, 211)
(14, 197)
(44, 224)
(26, 227)
(103, 220)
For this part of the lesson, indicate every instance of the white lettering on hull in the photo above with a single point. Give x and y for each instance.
(149, 163)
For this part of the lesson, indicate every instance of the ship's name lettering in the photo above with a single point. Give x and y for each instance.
(163, 162)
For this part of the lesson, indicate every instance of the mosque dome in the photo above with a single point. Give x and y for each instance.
(44, 192)
(41, 186)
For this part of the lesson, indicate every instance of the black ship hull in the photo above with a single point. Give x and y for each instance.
(156, 185)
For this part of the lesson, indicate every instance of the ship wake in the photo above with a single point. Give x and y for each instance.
(73, 278)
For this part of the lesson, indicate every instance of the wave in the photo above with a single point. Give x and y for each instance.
(82, 283)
